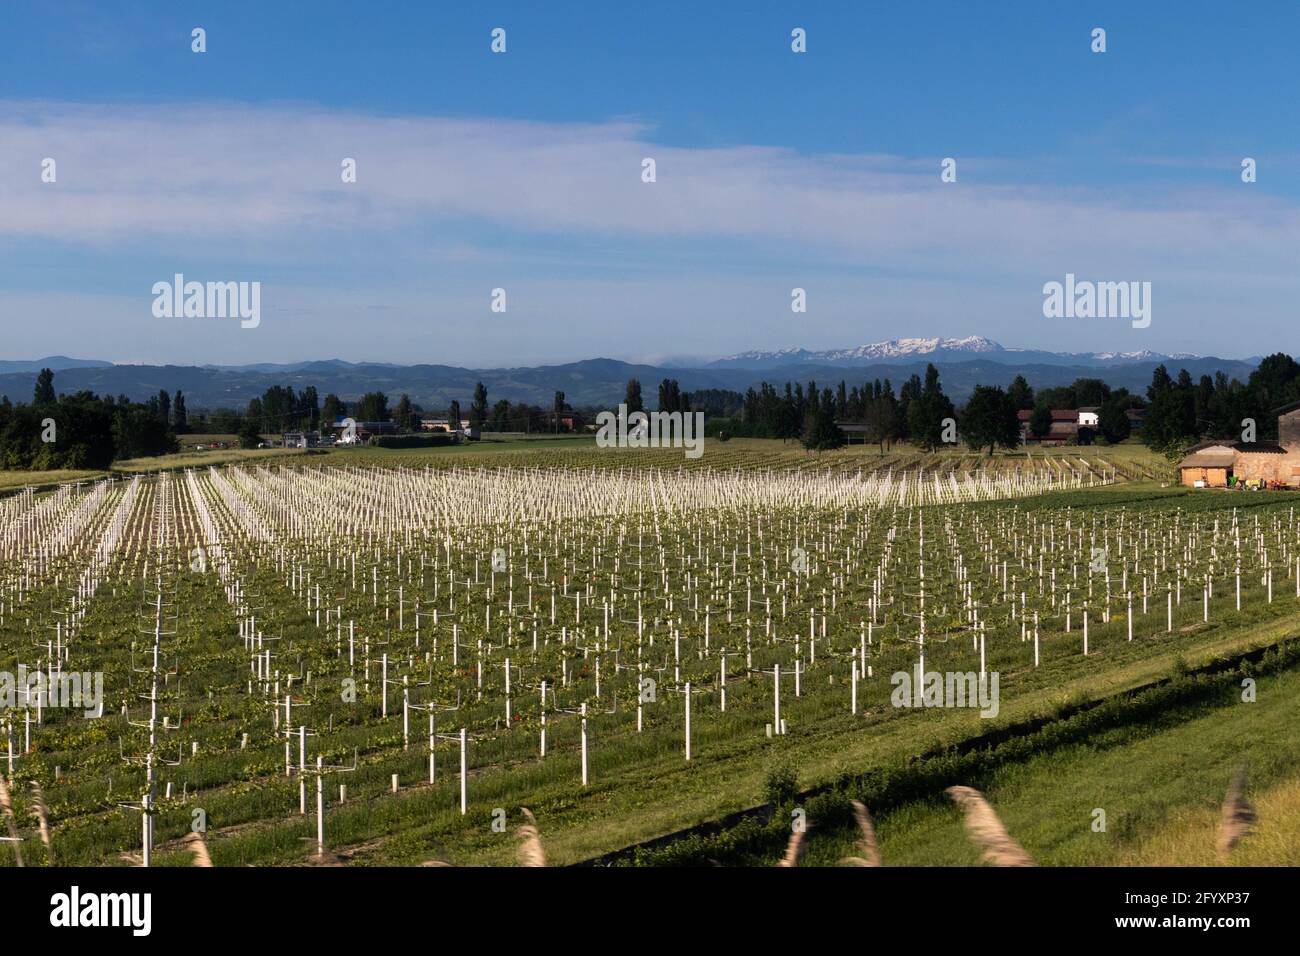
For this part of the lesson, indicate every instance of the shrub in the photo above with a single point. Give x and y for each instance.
(780, 785)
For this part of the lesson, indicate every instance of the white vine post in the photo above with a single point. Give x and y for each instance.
(688, 720)
(151, 759)
(303, 734)
(432, 708)
(584, 746)
(321, 770)
(464, 771)
(722, 677)
(542, 711)
(776, 697)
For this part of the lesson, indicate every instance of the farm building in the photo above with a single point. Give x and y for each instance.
(1207, 465)
(363, 431)
(1216, 464)
(1073, 425)
(466, 430)
(1065, 428)
(442, 425)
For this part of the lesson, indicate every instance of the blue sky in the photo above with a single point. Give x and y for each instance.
(522, 171)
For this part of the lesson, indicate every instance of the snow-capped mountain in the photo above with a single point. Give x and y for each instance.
(1145, 355)
(934, 349)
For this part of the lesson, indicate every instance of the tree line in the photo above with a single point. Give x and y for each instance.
(281, 409)
(1183, 411)
(83, 430)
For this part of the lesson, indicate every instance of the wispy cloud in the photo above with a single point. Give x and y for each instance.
(445, 209)
(158, 173)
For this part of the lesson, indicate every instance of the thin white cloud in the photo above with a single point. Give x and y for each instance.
(212, 172)
(445, 209)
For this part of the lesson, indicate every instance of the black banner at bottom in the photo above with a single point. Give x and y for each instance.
(370, 905)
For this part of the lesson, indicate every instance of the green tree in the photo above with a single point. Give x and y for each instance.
(255, 414)
(1275, 381)
(226, 421)
(373, 407)
(44, 393)
(558, 409)
(402, 413)
(310, 408)
(880, 416)
(1112, 421)
(180, 419)
(333, 409)
(926, 413)
(1060, 397)
(478, 409)
(632, 397)
(1040, 422)
(138, 432)
(1090, 392)
(249, 436)
(1161, 427)
(671, 397)
(820, 431)
(1021, 395)
(989, 418)
(89, 432)
(501, 416)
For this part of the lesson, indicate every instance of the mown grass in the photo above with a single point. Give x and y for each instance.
(1159, 782)
(202, 459)
(39, 479)
(1134, 462)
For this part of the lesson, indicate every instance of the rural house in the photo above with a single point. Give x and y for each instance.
(1064, 429)
(1216, 464)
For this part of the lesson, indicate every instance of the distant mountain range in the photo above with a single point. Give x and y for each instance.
(962, 363)
(937, 350)
(54, 363)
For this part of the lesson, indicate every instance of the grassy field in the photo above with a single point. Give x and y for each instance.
(1130, 461)
(437, 566)
(14, 480)
(1158, 780)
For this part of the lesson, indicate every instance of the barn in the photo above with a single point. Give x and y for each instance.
(1216, 464)
(1207, 465)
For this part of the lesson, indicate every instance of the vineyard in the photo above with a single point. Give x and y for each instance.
(380, 659)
